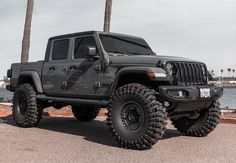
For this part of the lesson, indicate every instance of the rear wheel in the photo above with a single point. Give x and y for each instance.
(199, 124)
(25, 110)
(85, 112)
(135, 117)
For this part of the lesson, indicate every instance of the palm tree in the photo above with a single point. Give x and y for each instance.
(107, 18)
(229, 71)
(221, 73)
(233, 72)
(213, 72)
(210, 75)
(27, 30)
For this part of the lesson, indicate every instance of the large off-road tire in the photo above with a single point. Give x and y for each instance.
(85, 112)
(136, 119)
(202, 125)
(25, 110)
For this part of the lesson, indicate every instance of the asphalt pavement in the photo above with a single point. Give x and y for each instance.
(67, 140)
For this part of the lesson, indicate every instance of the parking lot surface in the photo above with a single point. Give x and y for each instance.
(67, 140)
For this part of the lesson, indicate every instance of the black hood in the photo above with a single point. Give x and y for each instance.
(146, 60)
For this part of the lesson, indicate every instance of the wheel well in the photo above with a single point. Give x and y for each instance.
(139, 78)
(132, 78)
(26, 80)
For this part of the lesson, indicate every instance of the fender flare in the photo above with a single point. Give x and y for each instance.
(35, 77)
(138, 70)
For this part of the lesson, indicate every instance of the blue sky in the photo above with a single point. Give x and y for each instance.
(204, 30)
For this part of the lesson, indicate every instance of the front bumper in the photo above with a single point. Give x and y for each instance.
(190, 93)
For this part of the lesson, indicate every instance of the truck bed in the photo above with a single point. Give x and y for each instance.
(18, 68)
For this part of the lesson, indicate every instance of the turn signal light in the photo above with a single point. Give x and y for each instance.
(152, 74)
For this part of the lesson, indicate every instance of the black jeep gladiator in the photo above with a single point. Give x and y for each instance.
(140, 89)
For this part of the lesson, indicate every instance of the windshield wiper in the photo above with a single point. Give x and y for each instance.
(137, 53)
(116, 51)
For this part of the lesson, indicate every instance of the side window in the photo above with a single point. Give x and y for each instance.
(60, 50)
(81, 45)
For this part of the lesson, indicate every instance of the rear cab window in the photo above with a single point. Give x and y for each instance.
(60, 50)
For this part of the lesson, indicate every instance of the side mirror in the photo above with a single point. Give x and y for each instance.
(91, 51)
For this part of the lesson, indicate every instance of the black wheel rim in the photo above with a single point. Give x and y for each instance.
(132, 115)
(22, 106)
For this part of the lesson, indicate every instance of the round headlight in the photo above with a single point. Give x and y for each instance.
(205, 73)
(204, 70)
(169, 68)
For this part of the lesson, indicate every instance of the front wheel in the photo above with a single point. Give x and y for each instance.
(200, 125)
(135, 117)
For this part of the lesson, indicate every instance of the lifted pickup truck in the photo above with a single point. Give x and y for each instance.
(140, 89)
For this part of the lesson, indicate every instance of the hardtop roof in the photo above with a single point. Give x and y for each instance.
(90, 33)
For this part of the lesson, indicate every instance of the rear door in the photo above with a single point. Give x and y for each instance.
(55, 70)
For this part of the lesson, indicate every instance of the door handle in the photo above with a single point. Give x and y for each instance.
(73, 67)
(65, 68)
(52, 68)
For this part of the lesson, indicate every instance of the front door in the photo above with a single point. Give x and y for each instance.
(83, 70)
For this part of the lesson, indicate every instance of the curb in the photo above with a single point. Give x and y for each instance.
(5, 114)
(228, 121)
(66, 114)
(101, 115)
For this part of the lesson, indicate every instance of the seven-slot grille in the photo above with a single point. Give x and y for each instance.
(190, 73)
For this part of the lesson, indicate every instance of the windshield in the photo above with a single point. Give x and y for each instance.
(125, 45)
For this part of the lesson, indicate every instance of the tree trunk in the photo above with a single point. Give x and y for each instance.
(26, 36)
(107, 18)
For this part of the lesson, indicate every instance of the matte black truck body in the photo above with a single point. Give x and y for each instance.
(88, 68)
